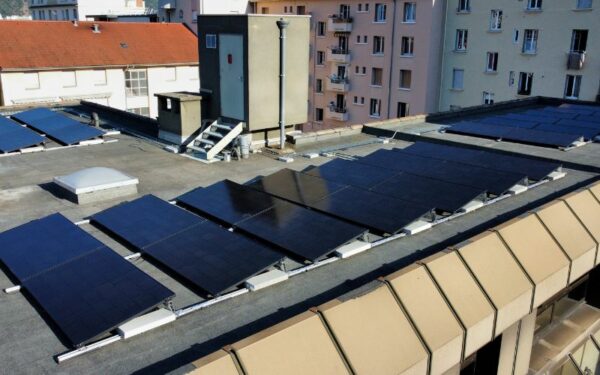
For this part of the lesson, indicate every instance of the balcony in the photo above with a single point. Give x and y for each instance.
(575, 60)
(337, 84)
(339, 24)
(337, 113)
(338, 55)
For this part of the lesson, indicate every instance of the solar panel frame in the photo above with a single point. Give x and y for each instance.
(542, 138)
(14, 137)
(58, 127)
(586, 133)
(479, 130)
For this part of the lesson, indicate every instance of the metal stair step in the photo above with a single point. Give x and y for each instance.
(214, 134)
(222, 127)
(206, 141)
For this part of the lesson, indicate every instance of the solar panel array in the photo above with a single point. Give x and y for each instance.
(56, 126)
(14, 137)
(85, 288)
(562, 126)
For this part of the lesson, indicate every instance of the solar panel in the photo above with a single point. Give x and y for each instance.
(533, 169)
(572, 110)
(593, 108)
(93, 294)
(145, 221)
(14, 137)
(85, 288)
(494, 182)
(297, 187)
(58, 127)
(586, 133)
(378, 212)
(227, 201)
(350, 173)
(531, 118)
(304, 233)
(554, 112)
(593, 119)
(577, 123)
(503, 121)
(212, 258)
(479, 130)
(442, 195)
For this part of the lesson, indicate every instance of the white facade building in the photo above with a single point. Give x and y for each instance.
(69, 10)
(187, 11)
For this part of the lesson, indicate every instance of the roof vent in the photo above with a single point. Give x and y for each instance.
(96, 184)
(124, 45)
(75, 23)
(96, 28)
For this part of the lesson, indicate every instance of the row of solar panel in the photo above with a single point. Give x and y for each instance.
(14, 137)
(550, 126)
(382, 192)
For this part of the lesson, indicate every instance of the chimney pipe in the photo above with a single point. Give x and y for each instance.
(96, 28)
(282, 25)
(75, 23)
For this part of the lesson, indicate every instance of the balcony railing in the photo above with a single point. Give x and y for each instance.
(340, 18)
(339, 24)
(338, 84)
(575, 60)
(339, 55)
(337, 113)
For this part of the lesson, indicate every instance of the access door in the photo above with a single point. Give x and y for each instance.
(231, 68)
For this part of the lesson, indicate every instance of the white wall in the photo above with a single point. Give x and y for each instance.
(84, 8)
(186, 11)
(57, 86)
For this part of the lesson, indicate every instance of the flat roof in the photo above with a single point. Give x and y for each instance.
(26, 194)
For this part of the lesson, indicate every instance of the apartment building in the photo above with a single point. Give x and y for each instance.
(187, 11)
(505, 49)
(82, 10)
(104, 62)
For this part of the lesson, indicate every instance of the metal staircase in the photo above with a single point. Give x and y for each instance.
(215, 138)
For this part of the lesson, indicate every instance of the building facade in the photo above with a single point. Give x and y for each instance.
(114, 69)
(369, 60)
(187, 11)
(502, 50)
(82, 10)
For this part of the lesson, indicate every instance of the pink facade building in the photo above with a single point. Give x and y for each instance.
(369, 59)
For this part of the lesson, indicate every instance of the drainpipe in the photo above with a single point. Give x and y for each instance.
(282, 25)
(390, 85)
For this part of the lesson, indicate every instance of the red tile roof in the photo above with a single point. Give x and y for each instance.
(54, 44)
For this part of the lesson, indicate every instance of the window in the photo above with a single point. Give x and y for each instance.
(319, 85)
(194, 16)
(375, 108)
(318, 114)
(345, 11)
(406, 49)
(525, 83)
(99, 77)
(534, 4)
(320, 58)
(136, 83)
(579, 41)
(402, 109)
(364, 70)
(365, 40)
(405, 79)
(572, 85)
(31, 81)
(511, 78)
(496, 20)
(377, 77)
(362, 100)
(285, 9)
(181, 14)
(143, 111)
(488, 98)
(464, 6)
(584, 4)
(69, 79)
(410, 12)
(358, 39)
(291, 9)
(458, 79)
(356, 69)
(211, 41)
(380, 10)
(378, 44)
(360, 7)
(300, 10)
(491, 62)
(171, 74)
(264, 10)
(516, 36)
(530, 39)
(74, 14)
(355, 100)
(461, 40)
(320, 28)
(366, 7)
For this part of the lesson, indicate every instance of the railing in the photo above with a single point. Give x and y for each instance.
(575, 60)
(337, 109)
(339, 80)
(340, 18)
(340, 51)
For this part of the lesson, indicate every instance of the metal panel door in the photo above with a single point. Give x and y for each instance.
(231, 66)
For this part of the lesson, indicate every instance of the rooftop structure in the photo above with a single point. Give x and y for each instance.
(82, 10)
(232, 314)
(187, 11)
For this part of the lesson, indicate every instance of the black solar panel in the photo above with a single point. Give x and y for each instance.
(531, 118)
(572, 110)
(594, 119)
(14, 137)
(212, 258)
(479, 130)
(444, 196)
(84, 287)
(503, 121)
(555, 112)
(297, 187)
(57, 126)
(577, 123)
(586, 133)
(305, 233)
(594, 108)
(533, 169)
(495, 182)
(350, 173)
(145, 221)
(227, 201)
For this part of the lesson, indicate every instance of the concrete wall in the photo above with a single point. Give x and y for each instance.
(81, 9)
(105, 86)
(186, 11)
(555, 24)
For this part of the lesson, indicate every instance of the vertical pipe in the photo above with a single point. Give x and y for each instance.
(282, 25)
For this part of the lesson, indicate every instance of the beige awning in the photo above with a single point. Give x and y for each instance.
(500, 276)
(375, 335)
(466, 298)
(570, 234)
(539, 254)
(298, 346)
(587, 209)
(431, 316)
(218, 363)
